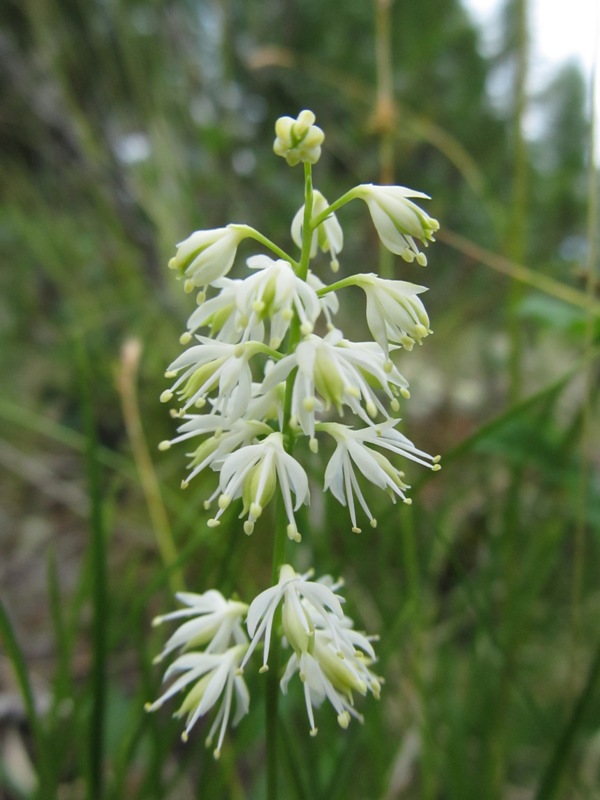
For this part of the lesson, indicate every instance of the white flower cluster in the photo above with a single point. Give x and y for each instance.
(213, 672)
(332, 659)
(267, 367)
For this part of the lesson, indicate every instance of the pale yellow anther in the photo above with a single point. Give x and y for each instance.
(388, 366)
(164, 445)
(185, 338)
(407, 501)
(166, 396)
(436, 467)
(313, 445)
(184, 484)
(189, 286)
(256, 510)
(170, 374)
(213, 523)
(263, 669)
(292, 532)
(248, 528)
(344, 720)
(405, 393)
(356, 530)
(373, 523)
(287, 314)
(395, 405)
(306, 328)
(422, 259)
(172, 263)
(314, 731)
(224, 501)
(309, 404)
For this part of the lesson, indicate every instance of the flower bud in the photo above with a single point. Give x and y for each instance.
(298, 139)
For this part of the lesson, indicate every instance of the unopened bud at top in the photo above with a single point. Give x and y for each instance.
(298, 139)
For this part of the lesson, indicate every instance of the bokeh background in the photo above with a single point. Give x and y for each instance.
(125, 125)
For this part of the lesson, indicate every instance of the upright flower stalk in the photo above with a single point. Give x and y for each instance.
(265, 367)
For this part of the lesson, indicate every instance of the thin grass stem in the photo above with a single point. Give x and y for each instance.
(127, 385)
(99, 587)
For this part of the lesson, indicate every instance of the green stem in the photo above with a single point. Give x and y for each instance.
(342, 284)
(99, 587)
(308, 226)
(272, 689)
(280, 535)
(254, 234)
(341, 201)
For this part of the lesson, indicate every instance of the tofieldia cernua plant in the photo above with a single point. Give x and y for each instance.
(256, 378)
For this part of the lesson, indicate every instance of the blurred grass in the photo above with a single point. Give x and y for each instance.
(127, 125)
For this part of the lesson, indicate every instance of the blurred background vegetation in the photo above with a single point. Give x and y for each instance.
(125, 125)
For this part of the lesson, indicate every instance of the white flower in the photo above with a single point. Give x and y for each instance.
(352, 454)
(340, 373)
(208, 255)
(275, 292)
(394, 312)
(330, 674)
(301, 599)
(332, 658)
(398, 220)
(329, 236)
(213, 366)
(214, 622)
(298, 139)
(221, 314)
(254, 472)
(211, 676)
(227, 437)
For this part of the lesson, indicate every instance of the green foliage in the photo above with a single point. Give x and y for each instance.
(125, 125)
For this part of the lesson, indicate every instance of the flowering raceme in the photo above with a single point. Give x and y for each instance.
(266, 368)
